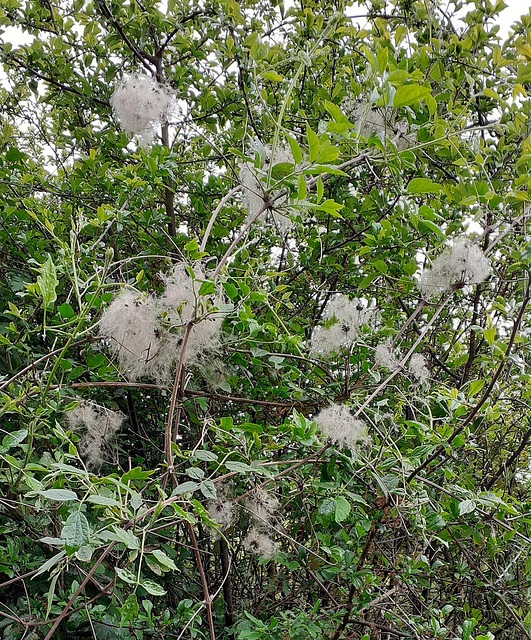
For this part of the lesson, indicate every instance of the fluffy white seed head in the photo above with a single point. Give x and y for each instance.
(97, 425)
(259, 543)
(140, 103)
(339, 425)
(386, 356)
(262, 506)
(223, 512)
(181, 304)
(130, 323)
(343, 319)
(254, 188)
(464, 263)
(418, 368)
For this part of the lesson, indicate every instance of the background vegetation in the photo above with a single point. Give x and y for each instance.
(301, 158)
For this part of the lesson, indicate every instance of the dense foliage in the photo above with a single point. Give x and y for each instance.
(264, 299)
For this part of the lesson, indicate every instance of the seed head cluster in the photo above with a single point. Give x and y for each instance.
(339, 425)
(254, 188)
(464, 263)
(417, 367)
(386, 356)
(343, 319)
(146, 335)
(98, 426)
(140, 103)
(262, 507)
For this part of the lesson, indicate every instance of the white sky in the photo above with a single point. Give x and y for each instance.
(515, 8)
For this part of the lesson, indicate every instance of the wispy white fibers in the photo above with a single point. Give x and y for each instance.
(343, 319)
(339, 425)
(97, 425)
(140, 103)
(464, 263)
(130, 323)
(147, 334)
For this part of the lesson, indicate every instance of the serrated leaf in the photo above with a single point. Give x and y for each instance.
(47, 281)
(76, 531)
(409, 94)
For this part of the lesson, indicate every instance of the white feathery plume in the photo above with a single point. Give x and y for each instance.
(98, 425)
(260, 543)
(418, 368)
(131, 324)
(386, 356)
(339, 425)
(344, 318)
(463, 263)
(140, 103)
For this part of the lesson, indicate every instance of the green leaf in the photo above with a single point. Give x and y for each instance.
(272, 75)
(152, 587)
(313, 143)
(49, 564)
(130, 608)
(380, 265)
(65, 311)
(240, 467)
(466, 506)
(296, 151)
(281, 170)
(76, 531)
(126, 575)
(423, 185)
(342, 509)
(186, 487)
(47, 281)
(207, 288)
(13, 439)
(164, 560)
(208, 489)
(335, 112)
(230, 290)
(61, 495)
(475, 387)
(126, 537)
(428, 225)
(14, 155)
(410, 94)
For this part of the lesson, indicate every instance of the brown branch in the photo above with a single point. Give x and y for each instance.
(64, 612)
